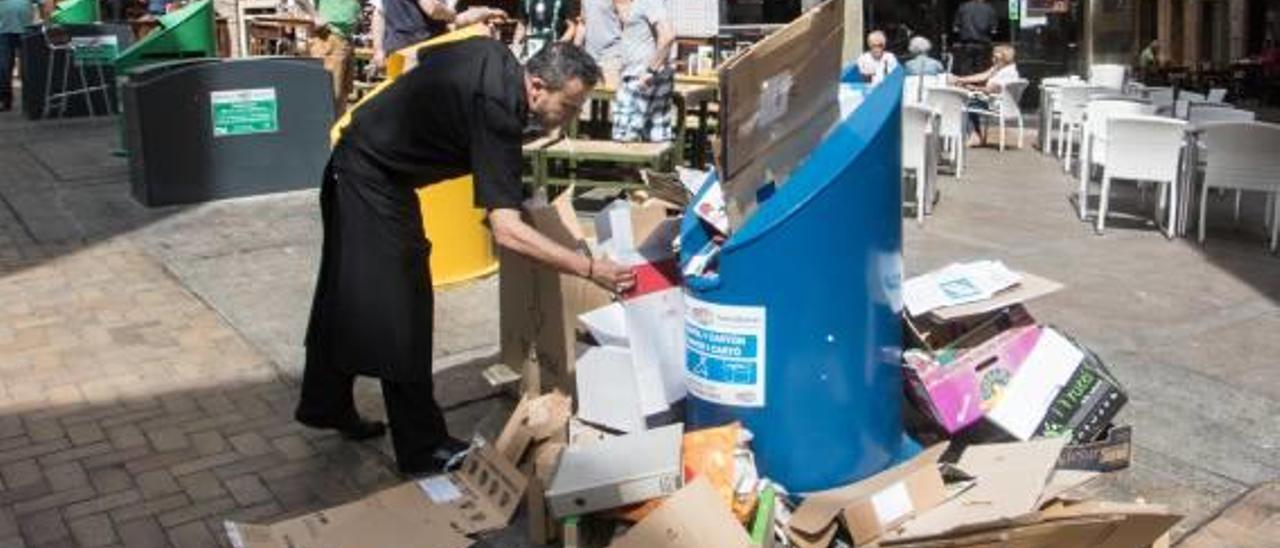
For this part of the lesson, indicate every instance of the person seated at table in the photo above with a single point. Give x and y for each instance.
(641, 109)
(921, 64)
(1003, 70)
(876, 63)
(989, 82)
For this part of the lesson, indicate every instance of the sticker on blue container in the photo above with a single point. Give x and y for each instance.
(724, 353)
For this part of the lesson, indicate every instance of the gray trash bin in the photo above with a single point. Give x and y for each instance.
(206, 129)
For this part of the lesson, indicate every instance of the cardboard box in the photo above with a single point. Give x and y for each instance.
(542, 526)
(778, 99)
(539, 307)
(693, 517)
(1110, 453)
(481, 497)
(1096, 524)
(1062, 389)
(869, 507)
(958, 394)
(617, 471)
(1028, 380)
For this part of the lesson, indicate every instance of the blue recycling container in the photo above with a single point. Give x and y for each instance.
(795, 330)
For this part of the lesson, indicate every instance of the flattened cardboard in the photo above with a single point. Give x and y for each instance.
(1031, 287)
(398, 517)
(1010, 479)
(778, 100)
(1092, 523)
(875, 504)
(489, 491)
(693, 517)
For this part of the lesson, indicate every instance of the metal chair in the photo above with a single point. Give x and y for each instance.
(61, 45)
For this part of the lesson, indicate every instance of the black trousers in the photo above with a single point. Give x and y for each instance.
(416, 421)
(971, 58)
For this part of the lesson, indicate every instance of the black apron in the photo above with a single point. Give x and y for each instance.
(462, 110)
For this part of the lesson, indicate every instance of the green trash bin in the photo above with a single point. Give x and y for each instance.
(183, 34)
(75, 12)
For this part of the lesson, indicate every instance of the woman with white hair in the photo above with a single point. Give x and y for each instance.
(921, 63)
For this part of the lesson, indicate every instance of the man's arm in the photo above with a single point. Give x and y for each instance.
(511, 232)
(665, 37)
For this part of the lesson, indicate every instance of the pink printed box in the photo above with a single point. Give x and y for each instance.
(960, 392)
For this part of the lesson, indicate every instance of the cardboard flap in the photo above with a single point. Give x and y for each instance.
(558, 221)
(1010, 479)
(533, 420)
(819, 509)
(1063, 481)
(693, 517)
(1030, 287)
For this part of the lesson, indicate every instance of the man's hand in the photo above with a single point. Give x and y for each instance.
(478, 14)
(612, 276)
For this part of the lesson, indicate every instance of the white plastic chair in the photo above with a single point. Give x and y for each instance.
(1004, 107)
(1108, 76)
(950, 105)
(1242, 156)
(917, 123)
(1162, 99)
(1143, 149)
(1201, 113)
(1072, 100)
(1217, 95)
(1185, 99)
(1093, 140)
(1050, 89)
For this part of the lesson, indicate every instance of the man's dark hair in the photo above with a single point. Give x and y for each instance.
(559, 62)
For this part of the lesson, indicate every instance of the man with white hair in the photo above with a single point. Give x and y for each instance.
(921, 63)
(876, 63)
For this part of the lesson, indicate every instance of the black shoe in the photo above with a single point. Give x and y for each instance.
(444, 457)
(356, 430)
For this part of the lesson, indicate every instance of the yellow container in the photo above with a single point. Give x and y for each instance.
(461, 245)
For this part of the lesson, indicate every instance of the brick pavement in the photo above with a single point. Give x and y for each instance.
(132, 414)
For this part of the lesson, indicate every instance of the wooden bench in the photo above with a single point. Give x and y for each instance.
(570, 161)
(534, 172)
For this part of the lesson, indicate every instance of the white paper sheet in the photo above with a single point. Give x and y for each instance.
(956, 284)
(608, 394)
(655, 327)
(608, 325)
(1033, 388)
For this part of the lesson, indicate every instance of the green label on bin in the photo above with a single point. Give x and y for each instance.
(244, 112)
(95, 50)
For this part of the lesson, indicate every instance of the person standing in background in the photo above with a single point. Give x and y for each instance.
(601, 37)
(876, 63)
(334, 23)
(409, 22)
(15, 15)
(546, 21)
(975, 27)
(641, 108)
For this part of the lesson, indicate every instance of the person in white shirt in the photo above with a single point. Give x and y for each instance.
(1003, 70)
(876, 63)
